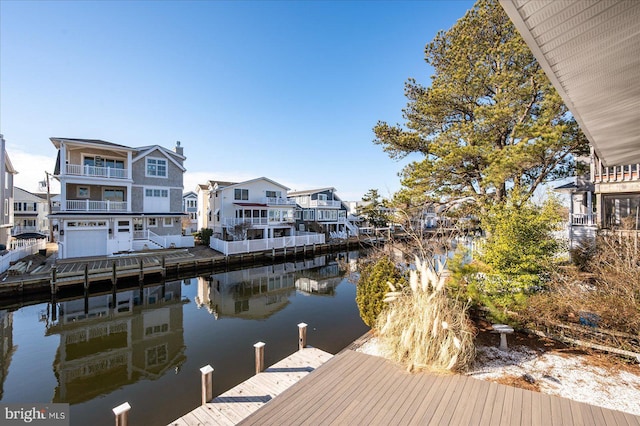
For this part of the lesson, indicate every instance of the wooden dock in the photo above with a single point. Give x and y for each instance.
(355, 388)
(238, 403)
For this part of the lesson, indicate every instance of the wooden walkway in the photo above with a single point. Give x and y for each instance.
(236, 404)
(354, 388)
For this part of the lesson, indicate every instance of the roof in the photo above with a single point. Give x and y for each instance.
(58, 141)
(251, 204)
(590, 50)
(230, 184)
(190, 194)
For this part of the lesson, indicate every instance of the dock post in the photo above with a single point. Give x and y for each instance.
(114, 275)
(259, 356)
(54, 278)
(86, 276)
(207, 383)
(164, 267)
(122, 414)
(141, 276)
(302, 336)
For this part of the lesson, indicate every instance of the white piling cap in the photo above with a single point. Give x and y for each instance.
(259, 345)
(122, 408)
(206, 369)
(302, 325)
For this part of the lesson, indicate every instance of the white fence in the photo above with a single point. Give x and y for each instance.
(249, 246)
(20, 249)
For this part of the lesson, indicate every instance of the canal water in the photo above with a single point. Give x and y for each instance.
(147, 346)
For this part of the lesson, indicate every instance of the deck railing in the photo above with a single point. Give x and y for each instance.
(278, 201)
(249, 246)
(93, 206)
(621, 173)
(584, 219)
(105, 172)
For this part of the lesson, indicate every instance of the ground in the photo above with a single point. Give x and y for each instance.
(544, 365)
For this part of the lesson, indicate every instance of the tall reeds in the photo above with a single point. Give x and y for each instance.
(423, 327)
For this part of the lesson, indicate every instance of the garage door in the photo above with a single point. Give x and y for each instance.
(92, 242)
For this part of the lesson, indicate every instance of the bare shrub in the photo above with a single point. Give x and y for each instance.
(608, 286)
(424, 328)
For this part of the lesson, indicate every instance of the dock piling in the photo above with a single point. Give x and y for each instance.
(54, 277)
(302, 336)
(122, 414)
(114, 274)
(207, 383)
(86, 276)
(259, 356)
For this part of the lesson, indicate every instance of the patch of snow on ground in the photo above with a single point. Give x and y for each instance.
(561, 374)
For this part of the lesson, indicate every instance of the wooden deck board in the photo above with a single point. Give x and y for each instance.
(354, 388)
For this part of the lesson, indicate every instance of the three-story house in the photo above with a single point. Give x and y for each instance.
(115, 198)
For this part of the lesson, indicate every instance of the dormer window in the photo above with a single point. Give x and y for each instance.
(156, 167)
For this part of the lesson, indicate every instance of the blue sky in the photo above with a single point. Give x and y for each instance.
(287, 90)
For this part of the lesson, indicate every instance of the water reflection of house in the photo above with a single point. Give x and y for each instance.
(114, 343)
(258, 293)
(6, 346)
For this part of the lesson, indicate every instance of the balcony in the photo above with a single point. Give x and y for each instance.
(325, 203)
(227, 222)
(583, 219)
(278, 201)
(92, 206)
(99, 172)
(624, 173)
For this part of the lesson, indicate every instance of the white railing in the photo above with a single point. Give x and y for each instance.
(20, 249)
(278, 201)
(249, 246)
(165, 241)
(256, 221)
(94, 206)
(105, 172)
(621, 173)
(583, 219)
(324, 203)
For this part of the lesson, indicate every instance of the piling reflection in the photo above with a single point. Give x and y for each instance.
(7, 347)
(112, 340)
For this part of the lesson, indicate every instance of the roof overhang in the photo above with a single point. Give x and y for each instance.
(590, 50)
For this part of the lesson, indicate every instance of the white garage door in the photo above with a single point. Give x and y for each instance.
(86, 242)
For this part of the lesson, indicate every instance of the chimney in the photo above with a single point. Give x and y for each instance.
(178, 149)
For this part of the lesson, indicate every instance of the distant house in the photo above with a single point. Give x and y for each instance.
(6, 195)
(30, 211)
(204, 213)
(115, 198)
(190, 209)
(323, 208)
(606, 198)
(256, 211)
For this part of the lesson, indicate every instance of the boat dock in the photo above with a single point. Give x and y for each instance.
(240, 402)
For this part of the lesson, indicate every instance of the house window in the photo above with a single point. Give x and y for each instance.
(152, 222)
(156, 167)
(111, 194)
(164, 193)
(240, 194)
(308, 215)
(83, 192)
(167, 221)
(322, 197)
(274, 194)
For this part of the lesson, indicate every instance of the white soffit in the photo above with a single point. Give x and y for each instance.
(591, 52)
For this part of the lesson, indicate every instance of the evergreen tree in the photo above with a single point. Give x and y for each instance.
(489, 123)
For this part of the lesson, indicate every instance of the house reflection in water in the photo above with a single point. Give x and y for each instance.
(258, 293)
(115, 343)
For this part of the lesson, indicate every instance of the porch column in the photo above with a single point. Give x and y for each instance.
(590, 207)
(599, 210)
(129, 166)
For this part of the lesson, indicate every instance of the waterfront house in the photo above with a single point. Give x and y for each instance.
(591, 54)
(115, 198)
(30, 211)
(253, 215)
(6, 195)
(190, 209)
(204, 214)
(323, 209)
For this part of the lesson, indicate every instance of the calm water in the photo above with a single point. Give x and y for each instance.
(147, 347)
